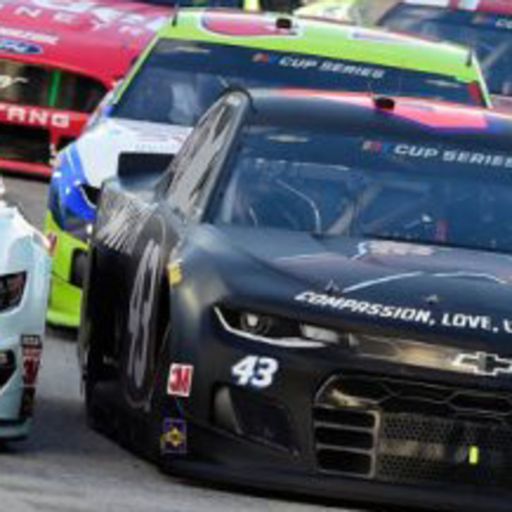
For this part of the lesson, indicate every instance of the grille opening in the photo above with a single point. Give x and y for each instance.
(412, 390)
(345, 462)
(346, 438)
(422, 433)
(418, 406)
(25, 144)
(248, 414)
(364, 388)
(344, 417)
(482, 403)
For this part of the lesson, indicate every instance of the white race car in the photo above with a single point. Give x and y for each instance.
(24, 283)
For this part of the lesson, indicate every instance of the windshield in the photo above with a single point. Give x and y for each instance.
(180, 80)
(489, 34)
(329, 184)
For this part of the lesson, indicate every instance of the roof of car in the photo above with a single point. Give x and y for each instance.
(98, 39)
(414, 118)
(327, 39)
(503, 7)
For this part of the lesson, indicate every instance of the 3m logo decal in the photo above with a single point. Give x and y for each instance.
(180, 380)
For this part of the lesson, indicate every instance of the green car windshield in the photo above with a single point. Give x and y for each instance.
(180, 79)
(489, 34)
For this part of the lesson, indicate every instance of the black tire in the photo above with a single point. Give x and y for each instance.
(92, 333)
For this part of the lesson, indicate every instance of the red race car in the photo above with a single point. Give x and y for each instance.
(58, 58)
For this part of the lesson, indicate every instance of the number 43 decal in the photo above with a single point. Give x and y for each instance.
(255, 371)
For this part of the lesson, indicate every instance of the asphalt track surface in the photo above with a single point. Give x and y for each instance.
(65, 467)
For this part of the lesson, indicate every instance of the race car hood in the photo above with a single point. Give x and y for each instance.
(98, 38)
(460, 293)
(116, 136)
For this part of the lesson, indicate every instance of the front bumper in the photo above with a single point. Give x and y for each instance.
(16, 401)
(394, 435)
(25, 168)
(69, 254)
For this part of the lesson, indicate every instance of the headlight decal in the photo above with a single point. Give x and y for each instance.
(12, 288)
(261, 334)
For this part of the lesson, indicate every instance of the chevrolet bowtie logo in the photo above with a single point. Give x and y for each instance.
(481, 363)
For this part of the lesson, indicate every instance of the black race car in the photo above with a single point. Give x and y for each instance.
(316, 297)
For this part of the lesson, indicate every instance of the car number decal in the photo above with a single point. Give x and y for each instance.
(255, 371)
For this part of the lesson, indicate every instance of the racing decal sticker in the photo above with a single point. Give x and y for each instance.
(246, 25)
(88, 15)
(442, 155)
(174, 436)
(255, 371)
(19, 47)
(34, 116)
(338, 67)
(32, 348)
(179, 382)
(413, 315)
(175, 273)
(390, 248)
(418, 316)
(27, 35)
(116, 221)
(142, 304)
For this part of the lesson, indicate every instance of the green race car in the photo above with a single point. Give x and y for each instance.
(188, 66)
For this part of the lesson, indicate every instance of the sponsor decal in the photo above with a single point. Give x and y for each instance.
(474, 455)
(27, 35)
(175, 273)
(7, 81)
(247, 26)
(493, 21)
(32, 348)
(179, 382)
(79, 13)
(174, 436)
(19, 47)
(412, 315)
(142, 306)
(34, 116)
(379, 37)
(450, 156)
(384, 248)
(484, 364)
(52, 243)
(121, 221)
(255, 371)
(417, 316)
(321, 65)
